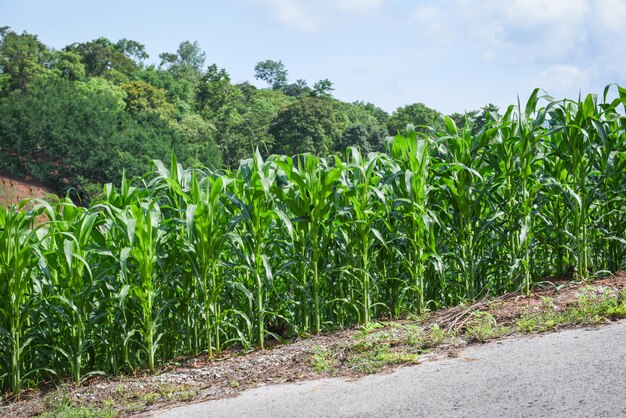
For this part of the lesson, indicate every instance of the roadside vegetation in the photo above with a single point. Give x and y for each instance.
(376, 347)
(188, 261)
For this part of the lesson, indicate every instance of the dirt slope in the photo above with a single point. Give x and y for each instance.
(13, 189)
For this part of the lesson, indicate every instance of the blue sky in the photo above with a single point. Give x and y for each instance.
(452, 55)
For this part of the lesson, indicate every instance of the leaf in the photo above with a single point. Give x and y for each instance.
(286, 221)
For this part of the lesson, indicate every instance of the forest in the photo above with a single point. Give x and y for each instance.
(79, 117)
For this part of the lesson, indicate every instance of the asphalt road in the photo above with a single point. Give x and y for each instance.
(573, 373)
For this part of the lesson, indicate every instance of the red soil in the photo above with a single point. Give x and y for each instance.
(13, 189)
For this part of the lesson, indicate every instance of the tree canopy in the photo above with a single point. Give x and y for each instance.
(82, 115)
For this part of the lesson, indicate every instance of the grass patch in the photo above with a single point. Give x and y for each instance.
(484, 327)
(61, 406)
(71, 411)
(379, 356)
(323, 360)
(378, 345)
(594, 305)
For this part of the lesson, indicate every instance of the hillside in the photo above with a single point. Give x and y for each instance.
(13, 190)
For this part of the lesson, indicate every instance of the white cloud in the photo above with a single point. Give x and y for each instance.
(611, 14)
(308, 16)
(531, 29)
(530, 32)
(541, 12)
(360, 6)
(292, 13)
(431, 19)
(562, 46)
(609, 37)
(561, 77)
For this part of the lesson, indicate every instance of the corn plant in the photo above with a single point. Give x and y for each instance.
(207, 230)
(186, 260)
(363, 199)
(518, 156)
(463, 182)
(412, 191)
(572, 143)
(18, 260)
(257, 214)
(309, 199)
(70, 280)
(146, 236)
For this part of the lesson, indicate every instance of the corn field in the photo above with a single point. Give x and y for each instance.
(182, 262)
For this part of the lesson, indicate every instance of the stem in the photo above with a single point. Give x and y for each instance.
(318, 325)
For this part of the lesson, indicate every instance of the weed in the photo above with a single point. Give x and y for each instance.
(484, 327)
(64, 407)
(188, 395)
(594, 305)
(323, 361)
(371, 361)
(436, 337)
(415, 336)
(150, 398)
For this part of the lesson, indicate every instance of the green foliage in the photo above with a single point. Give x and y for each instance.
(483, 327)
(59, 148)
(272, 72)
(95, 140)
(184, 261)
(418, 115)
(22, 59)
(189, 58)
(323, 361)
(323, 88)
(69, 65)
(144, 97)
(103, 58)
(594, 306)
(307, 125)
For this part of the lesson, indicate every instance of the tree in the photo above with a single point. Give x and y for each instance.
(272, 72)
(309, 124)
(488, 113)
(22, 59)
(323, 88)
(103, 58)
(185, 69)
(99, 86)
(188, 58)
(297, 89)
(360, 127)
(73, 134)
(144, 97)
(243, 126)
(215, 92)
(476, 119)
(380, 115)
(69, 65)
(133, 50)
(197, 146)
(367, 137)
(416, 114)
(55, 132)
(180, 91)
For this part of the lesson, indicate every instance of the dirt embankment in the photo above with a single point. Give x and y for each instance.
(13, 189)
